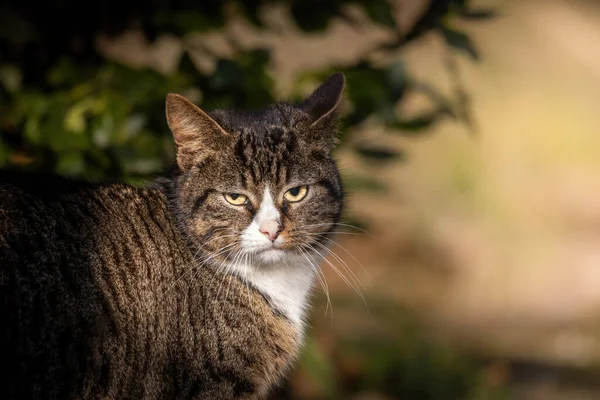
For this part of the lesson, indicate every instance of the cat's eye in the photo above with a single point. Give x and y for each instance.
(236, 199)
(296, 194)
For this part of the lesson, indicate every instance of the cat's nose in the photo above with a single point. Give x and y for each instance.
(271, 229)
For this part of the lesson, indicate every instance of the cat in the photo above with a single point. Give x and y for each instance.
(195, 286)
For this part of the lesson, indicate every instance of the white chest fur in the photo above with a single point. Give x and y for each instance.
(287, 286)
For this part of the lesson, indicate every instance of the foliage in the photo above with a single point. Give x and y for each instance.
(65, 107)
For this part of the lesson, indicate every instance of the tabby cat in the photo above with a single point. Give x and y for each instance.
(194, 287)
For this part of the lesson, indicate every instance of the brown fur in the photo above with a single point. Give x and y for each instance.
(110, 292)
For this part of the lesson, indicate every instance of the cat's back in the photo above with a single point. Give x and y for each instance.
(36, 205)
(40, 214)
(66, 249)
(55, 227)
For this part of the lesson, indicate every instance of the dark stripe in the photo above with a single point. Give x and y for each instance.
(285, 208)
(211, 232)
(241, 386)
(243, 179)
(240, 152)
(200, 200)
(331, 189)
(319, 155)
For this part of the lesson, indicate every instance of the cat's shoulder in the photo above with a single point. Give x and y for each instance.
(27, 198)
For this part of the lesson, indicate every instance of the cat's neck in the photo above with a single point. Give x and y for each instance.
(287, 286)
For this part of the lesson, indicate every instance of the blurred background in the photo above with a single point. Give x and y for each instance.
(469, 147)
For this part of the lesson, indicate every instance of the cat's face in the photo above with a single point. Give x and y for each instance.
(259, 188)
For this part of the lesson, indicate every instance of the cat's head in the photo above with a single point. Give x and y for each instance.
(260, 186)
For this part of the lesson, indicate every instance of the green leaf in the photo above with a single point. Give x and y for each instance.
(70, 164)
(140, 156)
(32, 130)
(3, 154)
(445, 105)
(482, 14)
(251, 11)
(379, 154)
(74, 120)
(55, 121)
(397, 81)
(368, 91)
(144, 166)
(419, 123)
(368, 184)
(182, 22)
(64, 72)
(10, 78)
(134, 124)
(460, 41)
(314, 15)
(102, 131)
(380, 11)
(99, 158)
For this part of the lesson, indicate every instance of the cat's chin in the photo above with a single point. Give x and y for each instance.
(271, 255)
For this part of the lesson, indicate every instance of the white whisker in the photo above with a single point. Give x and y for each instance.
(342, 263)
(347, 252)
(335, 224)
(341, 275)
(326, 233)
(247, 260)
(233, 263)
(322, 280)
(194, 263)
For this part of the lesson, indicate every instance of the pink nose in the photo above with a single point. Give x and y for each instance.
(270, 229)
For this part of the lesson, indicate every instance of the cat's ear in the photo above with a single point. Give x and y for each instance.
(323, 103)
(194, 131)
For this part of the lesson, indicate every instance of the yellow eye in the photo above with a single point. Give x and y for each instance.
(296, 194)
(236, 199)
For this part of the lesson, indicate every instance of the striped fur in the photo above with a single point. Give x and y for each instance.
(107, 291)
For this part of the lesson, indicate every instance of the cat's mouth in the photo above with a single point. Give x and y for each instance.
(264, 248)
(270, 253)
(273, 248)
